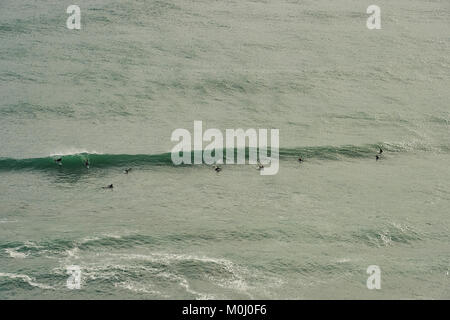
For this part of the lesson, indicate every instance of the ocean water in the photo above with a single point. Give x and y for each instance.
(114, 91)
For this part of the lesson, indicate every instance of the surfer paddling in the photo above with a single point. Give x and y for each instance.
(109, 186)
(260, 166)
(378, 156)
(126, 171)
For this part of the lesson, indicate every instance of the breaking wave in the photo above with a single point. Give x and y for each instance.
(75, 161)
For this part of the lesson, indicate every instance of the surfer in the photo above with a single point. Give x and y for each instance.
(59, 161)
(109, 186)
(300, 159)
(217, 168)
(127, 170)
(260, 166)
(381, 151)
(377, 157)
(86, 163)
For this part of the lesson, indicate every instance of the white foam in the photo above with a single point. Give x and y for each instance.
(109, 269)
(236, 282)
(8, 221)
(343, 260)
(15, 254)
(72, 252)
(31, 244)
(26, 279)
(386, 239)
(72, 151)
(137, 287)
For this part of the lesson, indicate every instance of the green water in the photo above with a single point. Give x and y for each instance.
(114, 91)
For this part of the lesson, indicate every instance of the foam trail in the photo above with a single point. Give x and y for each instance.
(15, 254)
(26, 279)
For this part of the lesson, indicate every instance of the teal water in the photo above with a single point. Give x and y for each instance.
(114, 91)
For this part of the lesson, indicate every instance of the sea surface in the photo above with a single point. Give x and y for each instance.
(114, 91)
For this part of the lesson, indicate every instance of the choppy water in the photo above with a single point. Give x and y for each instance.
(114, 91)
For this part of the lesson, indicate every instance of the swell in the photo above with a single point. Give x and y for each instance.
(76, 161)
